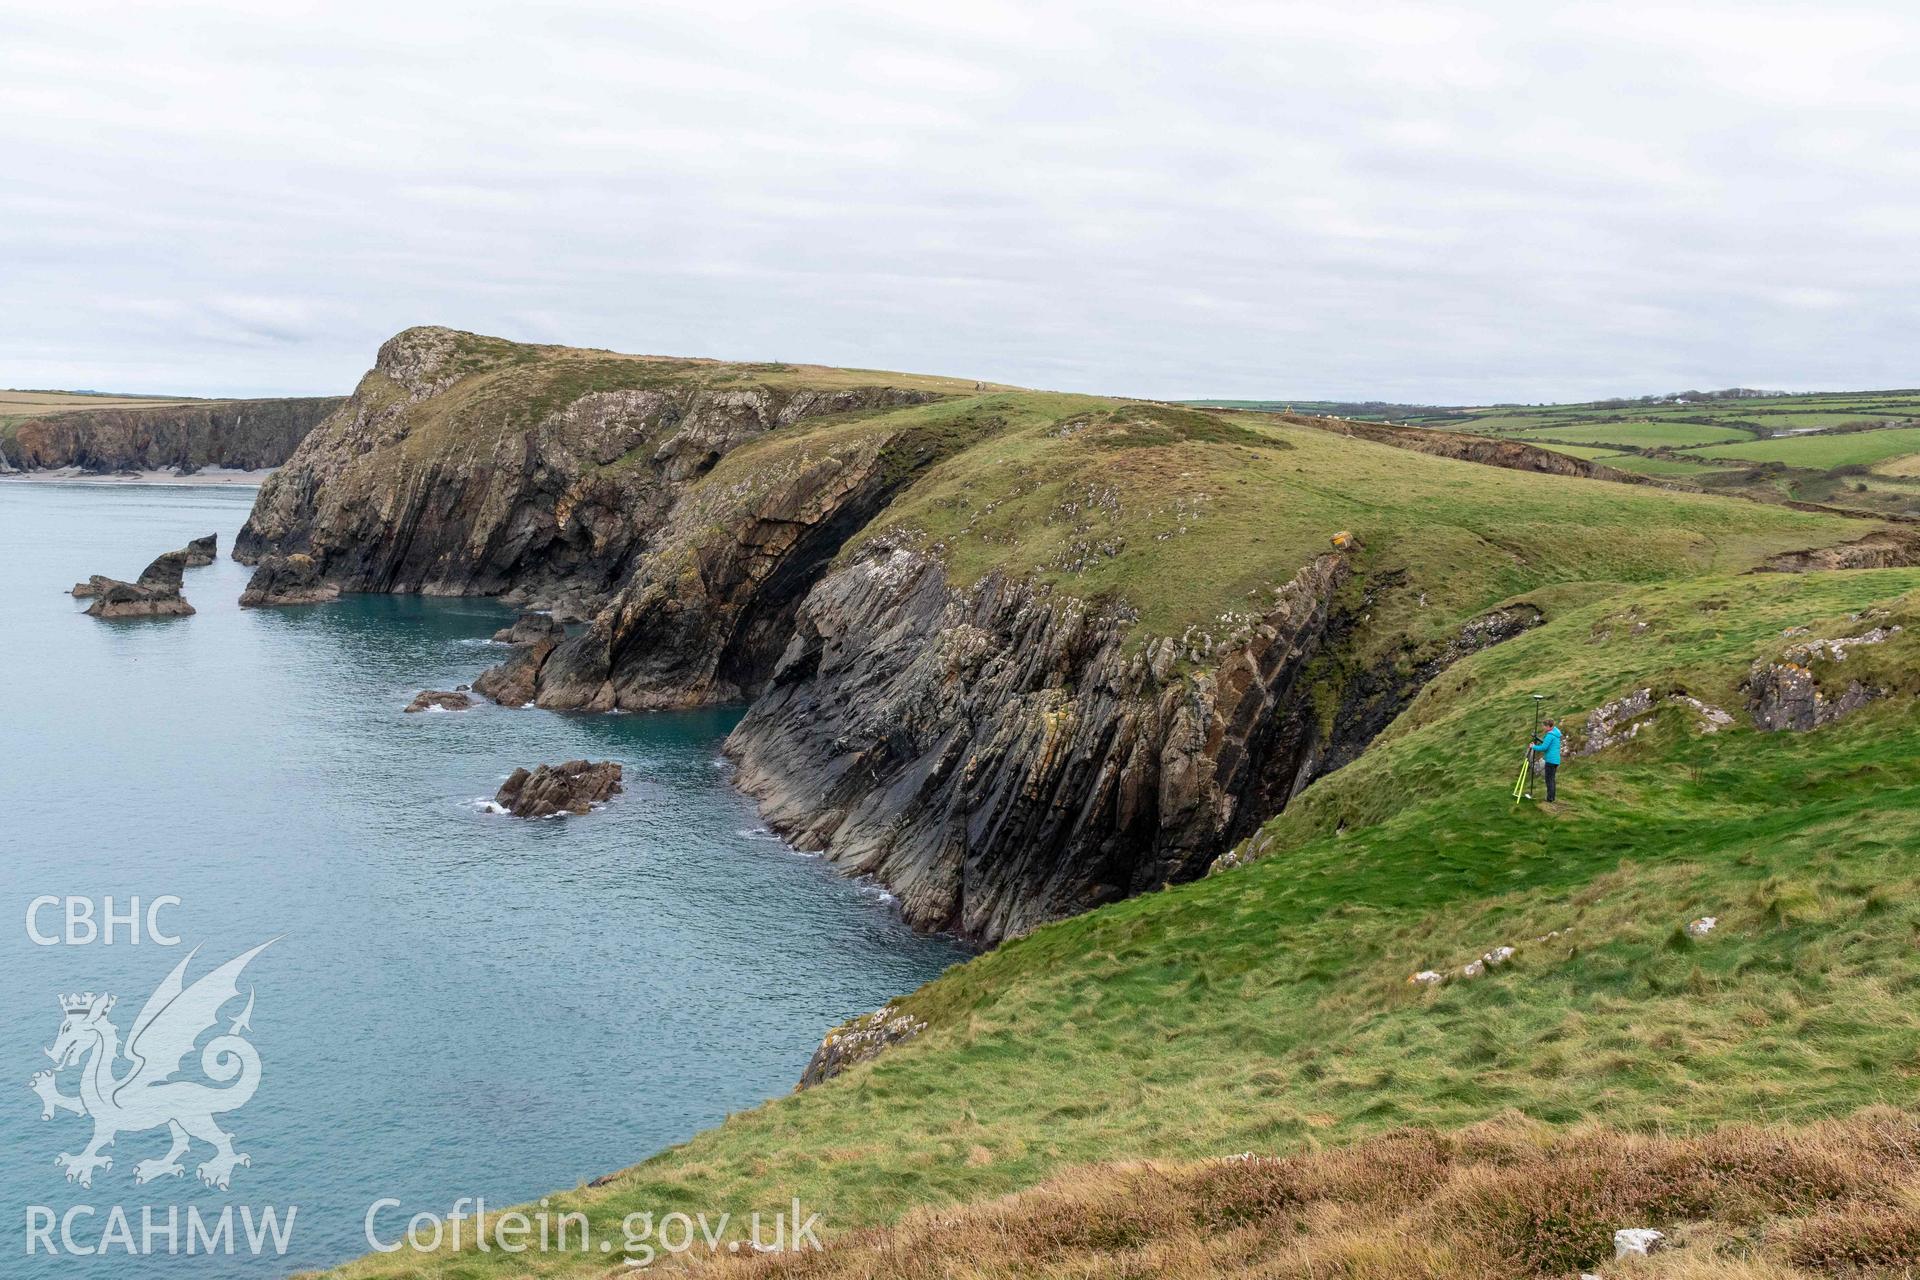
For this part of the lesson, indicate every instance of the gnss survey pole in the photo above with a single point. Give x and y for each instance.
(1525, 779)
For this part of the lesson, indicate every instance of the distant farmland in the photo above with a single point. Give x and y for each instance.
(17, 406)
(1768, 447)
(1849, 449)
(1639, 435)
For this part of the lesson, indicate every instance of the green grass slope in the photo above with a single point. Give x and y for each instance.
(1267, 1008)
(1193, 518)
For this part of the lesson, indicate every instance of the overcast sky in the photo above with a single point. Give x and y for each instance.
(1442, 202)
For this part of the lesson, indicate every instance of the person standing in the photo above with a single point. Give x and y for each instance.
(1549, 749)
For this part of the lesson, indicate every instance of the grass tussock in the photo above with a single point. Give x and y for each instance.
(1507, 1198)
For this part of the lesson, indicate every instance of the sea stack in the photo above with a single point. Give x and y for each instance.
(155, 595)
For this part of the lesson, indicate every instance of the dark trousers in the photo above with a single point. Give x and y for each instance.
(1551, 770)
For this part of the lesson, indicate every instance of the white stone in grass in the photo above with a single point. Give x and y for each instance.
(1428, 978)
(1637, 1242)
(1497, 957)
(1473, 968)
(1703, 926)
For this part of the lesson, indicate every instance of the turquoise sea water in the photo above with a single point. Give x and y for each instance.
(458, 1003)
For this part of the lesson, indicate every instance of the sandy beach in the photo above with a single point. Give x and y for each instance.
(208, 476)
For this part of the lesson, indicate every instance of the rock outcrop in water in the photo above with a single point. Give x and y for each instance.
(242, 434)
(529, 627)
(156, 595)
(202, 551)
(551, 789)
(280, 580)
(439, 700)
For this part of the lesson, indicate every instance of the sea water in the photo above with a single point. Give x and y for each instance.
(455, 1003)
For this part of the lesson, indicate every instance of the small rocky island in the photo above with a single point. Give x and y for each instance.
(549, 789)
(439, 700)
(155, 595)
(290, 579)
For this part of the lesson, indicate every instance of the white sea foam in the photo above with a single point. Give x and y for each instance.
(487, 804)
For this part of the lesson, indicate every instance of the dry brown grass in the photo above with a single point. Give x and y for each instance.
(41, 404)
(1495, 1201)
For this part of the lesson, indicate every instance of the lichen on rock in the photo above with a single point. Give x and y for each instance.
(861, 1040)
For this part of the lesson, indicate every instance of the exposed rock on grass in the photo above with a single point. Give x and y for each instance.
(1882, 549)
(1613, 723)
(550, 789)
(860, 1040)
(286, 580)
(1637, 1242)
(155, 595)
(1785, 695)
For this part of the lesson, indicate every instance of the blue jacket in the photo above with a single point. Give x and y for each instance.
(1549, 745)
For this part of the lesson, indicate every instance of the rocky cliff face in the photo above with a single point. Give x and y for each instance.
(1000, 757)
(467, 466)
(242, 434)
(707, 612)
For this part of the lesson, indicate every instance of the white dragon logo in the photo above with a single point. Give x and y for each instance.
(146, 1096)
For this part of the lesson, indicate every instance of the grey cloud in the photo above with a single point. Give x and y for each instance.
(1444, 201)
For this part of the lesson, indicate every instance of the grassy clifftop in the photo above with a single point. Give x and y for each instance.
(1268, 1008)
(1190, 516)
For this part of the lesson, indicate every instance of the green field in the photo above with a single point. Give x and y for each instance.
(1824, 452)
(1589, 452)
(1637, 435)
(1268, 1008)
(1665, 468)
